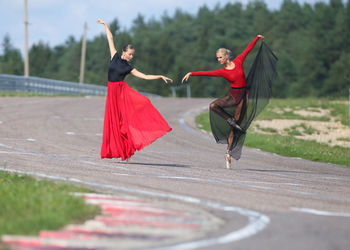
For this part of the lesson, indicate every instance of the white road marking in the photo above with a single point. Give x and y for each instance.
(15, 153)
(192, 131)
(273, 183)
(121, 174)
(84, 134)
(319, 212)
(257, 221)
(18, 139)
(336, 178)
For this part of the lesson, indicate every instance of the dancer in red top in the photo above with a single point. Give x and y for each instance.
(131, 122)
(237, 97)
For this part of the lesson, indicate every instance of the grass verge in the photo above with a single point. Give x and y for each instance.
(292, 147)
(29, 206)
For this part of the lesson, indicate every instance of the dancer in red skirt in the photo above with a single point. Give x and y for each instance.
(131, 122)
(236, 98)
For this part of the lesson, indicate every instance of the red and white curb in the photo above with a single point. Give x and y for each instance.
(123, 223)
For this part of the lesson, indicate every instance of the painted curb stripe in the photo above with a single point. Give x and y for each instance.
(319, 212)
(257, 222)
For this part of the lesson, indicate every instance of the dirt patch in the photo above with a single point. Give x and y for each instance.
(313, 112)
(341, 102)
(332, 132)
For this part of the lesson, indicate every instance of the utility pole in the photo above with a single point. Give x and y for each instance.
(83, 52)
(26, 56)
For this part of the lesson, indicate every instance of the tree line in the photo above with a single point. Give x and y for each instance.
(312, 43)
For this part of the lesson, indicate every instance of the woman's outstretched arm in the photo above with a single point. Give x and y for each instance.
(112, 49)
(217, 72)
(141, 75)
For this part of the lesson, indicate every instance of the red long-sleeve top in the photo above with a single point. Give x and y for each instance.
(236, 75)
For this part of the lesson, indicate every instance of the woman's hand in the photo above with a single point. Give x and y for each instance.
(101, 21)
(185, 78)
(262, 37)
(166, 79)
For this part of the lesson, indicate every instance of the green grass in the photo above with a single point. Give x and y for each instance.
(293, 131)
(341, 111)
(299, 130)
(292, 147)
(28, 205)
(203, 120)
(289, 145)
(268, 130)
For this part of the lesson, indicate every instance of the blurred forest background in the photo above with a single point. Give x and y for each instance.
(311, 42)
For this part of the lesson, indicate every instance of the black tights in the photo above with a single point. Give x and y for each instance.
(226, 102)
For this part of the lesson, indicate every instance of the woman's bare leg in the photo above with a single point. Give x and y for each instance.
(219, 104)
(230, 139)
(240, 110)
(243, 110)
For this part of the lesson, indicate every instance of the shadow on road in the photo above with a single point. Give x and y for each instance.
(156, 164)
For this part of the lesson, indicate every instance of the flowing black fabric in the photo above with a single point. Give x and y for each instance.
(259, 82)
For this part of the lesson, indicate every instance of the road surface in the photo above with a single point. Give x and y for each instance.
(265, 202)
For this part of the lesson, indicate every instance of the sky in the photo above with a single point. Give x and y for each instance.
(53, 21)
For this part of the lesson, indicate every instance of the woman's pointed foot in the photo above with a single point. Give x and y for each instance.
(228, 160)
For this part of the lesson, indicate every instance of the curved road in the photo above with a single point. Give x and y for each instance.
(265, 202)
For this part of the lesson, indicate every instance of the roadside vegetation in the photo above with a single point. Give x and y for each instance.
(29, 205)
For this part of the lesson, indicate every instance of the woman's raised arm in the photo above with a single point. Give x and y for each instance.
(112, 49)
(250, 46)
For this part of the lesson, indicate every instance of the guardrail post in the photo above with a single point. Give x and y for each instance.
(188, 91)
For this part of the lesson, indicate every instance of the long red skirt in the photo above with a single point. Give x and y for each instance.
(131, 122)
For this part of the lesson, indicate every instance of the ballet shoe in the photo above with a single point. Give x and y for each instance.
(228, 161)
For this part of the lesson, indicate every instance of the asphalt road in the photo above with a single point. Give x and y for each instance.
(265, 202)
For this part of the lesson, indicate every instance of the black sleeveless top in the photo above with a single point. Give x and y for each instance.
(118, 69)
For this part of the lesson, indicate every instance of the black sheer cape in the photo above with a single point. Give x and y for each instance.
(259, 82)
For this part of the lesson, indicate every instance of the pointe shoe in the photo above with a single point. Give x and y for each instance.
(228, 161)
(234, 124)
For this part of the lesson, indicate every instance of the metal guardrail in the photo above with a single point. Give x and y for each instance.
(12, 83)
(187, 86)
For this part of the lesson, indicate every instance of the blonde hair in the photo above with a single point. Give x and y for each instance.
(127, 47)
(225, 52)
